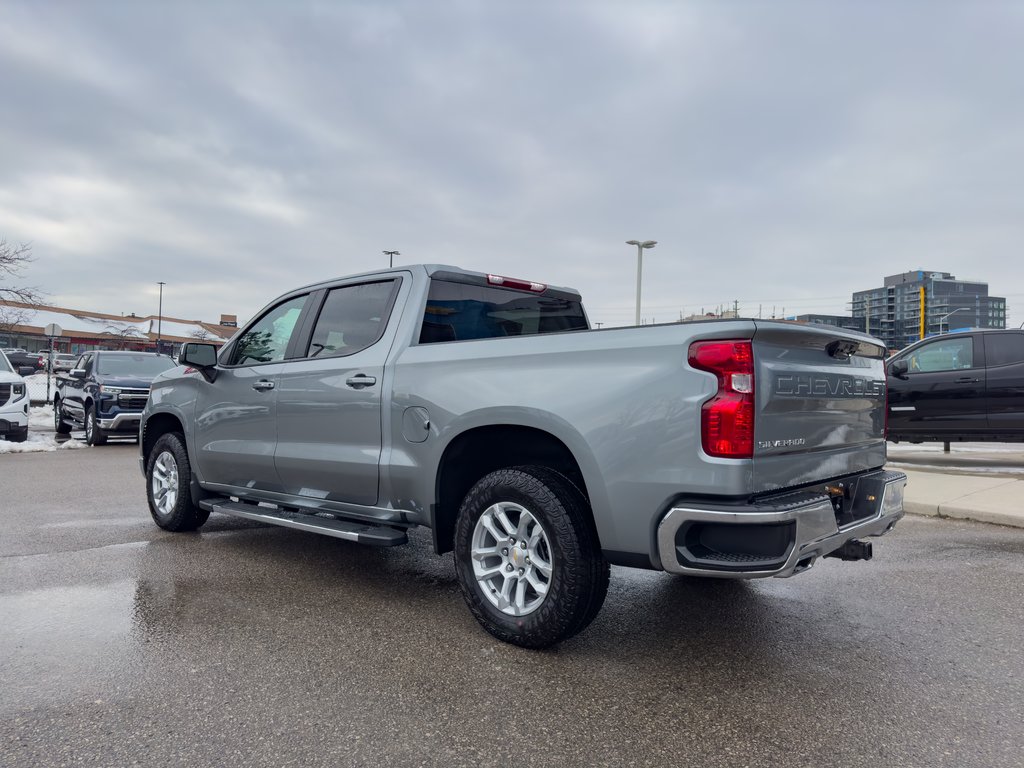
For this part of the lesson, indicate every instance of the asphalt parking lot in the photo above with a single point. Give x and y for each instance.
(121, 644)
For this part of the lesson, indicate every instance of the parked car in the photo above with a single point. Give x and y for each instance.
(19, 359)
(13, 403)
(61, 362)
(105, 392)
(540, 451)
(959, 386)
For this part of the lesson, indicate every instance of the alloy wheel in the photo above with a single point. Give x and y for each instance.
(511, 558)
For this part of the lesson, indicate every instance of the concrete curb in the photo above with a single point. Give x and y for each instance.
(997, 500)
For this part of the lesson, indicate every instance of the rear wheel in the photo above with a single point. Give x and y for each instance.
(527, 557)
(60, 426)
(168, 486)
(94, 434)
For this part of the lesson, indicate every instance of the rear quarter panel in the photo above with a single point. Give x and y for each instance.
(622, 400)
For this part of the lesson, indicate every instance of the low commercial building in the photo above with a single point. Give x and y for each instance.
(23, 325)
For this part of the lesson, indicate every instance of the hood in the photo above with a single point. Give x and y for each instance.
(10, 378)
(127, 382)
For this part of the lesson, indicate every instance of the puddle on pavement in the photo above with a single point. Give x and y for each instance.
(66, 621)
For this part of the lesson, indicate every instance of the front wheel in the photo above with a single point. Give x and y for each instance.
(168, 486)
(94, 434)
(60, 426)
(527, 557)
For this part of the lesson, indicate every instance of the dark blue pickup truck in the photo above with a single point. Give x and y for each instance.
(105, 392)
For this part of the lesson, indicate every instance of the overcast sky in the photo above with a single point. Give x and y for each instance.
(782, 154)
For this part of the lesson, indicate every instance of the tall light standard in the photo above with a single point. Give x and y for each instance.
(640, 245)
(958, 309)
(391, 257)
(160, 317)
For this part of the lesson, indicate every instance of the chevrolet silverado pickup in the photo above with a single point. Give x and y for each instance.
(966, 385)
(104, 393)
(535, 449)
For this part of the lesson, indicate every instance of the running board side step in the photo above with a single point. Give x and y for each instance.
(362, 533)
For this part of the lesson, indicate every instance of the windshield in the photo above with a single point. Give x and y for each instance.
(133, 365)
(4, 365)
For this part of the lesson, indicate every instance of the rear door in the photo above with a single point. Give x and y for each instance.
(820, 405)
(1004, 391)
(943, 391)
(329, 398)
(73, 392)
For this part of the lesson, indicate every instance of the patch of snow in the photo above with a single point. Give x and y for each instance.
(41, 437)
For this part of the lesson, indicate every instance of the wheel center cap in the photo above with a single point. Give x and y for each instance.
(518, 557)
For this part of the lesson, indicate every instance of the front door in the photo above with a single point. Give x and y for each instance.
(943, 391)
(235, 426)
(329, 400)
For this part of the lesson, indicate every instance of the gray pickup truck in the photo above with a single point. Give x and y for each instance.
(535, 448)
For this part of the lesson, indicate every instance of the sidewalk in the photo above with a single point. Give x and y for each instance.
(974, 481)
(997, 500)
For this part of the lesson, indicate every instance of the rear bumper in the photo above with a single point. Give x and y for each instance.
(778, 538)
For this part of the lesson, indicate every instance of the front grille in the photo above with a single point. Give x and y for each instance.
(5, 393)
(133, 398)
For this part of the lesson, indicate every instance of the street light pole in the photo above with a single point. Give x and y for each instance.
(958, 309)
(391, 257)
(640, 245)
(160, 317)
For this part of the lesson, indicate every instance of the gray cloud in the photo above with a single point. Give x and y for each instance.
(781, 153)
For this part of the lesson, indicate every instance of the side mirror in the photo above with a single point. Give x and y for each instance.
(26, 370)
(899, 369)
(77, 373)
(198, 355)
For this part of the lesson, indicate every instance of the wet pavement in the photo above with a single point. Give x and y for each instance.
(250, 645)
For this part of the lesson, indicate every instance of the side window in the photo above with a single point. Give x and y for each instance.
(1004, 348)
(945, 355)
(353, 317)
(267, 339)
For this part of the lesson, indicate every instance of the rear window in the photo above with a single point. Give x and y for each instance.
(1004, 348)
(461, 311)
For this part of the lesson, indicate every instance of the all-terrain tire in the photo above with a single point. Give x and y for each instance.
(60, 426)
(169, 458)
(17, 437)
(579, 573)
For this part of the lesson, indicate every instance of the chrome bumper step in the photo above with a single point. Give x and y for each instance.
(362, 533)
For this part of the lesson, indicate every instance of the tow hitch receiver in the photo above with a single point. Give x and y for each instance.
(854, 549)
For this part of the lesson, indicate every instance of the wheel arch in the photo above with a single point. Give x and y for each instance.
(156, 426)
(482, 449)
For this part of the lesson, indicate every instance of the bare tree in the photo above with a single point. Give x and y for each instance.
(201, 334)
(13, 260)
(124, 333)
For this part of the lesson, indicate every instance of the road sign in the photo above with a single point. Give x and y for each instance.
(53, 330)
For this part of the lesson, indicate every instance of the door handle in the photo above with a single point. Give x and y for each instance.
(361, 380)
(967, 380)
(263, 385)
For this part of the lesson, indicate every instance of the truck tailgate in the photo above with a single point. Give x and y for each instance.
(820, 404)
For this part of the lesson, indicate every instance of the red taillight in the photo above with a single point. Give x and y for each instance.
(727, 419)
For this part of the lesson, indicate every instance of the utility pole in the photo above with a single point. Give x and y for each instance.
(735, 307)
(391, 257)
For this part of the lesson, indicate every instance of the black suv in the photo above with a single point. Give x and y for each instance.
(959, 386)
(105, 393)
